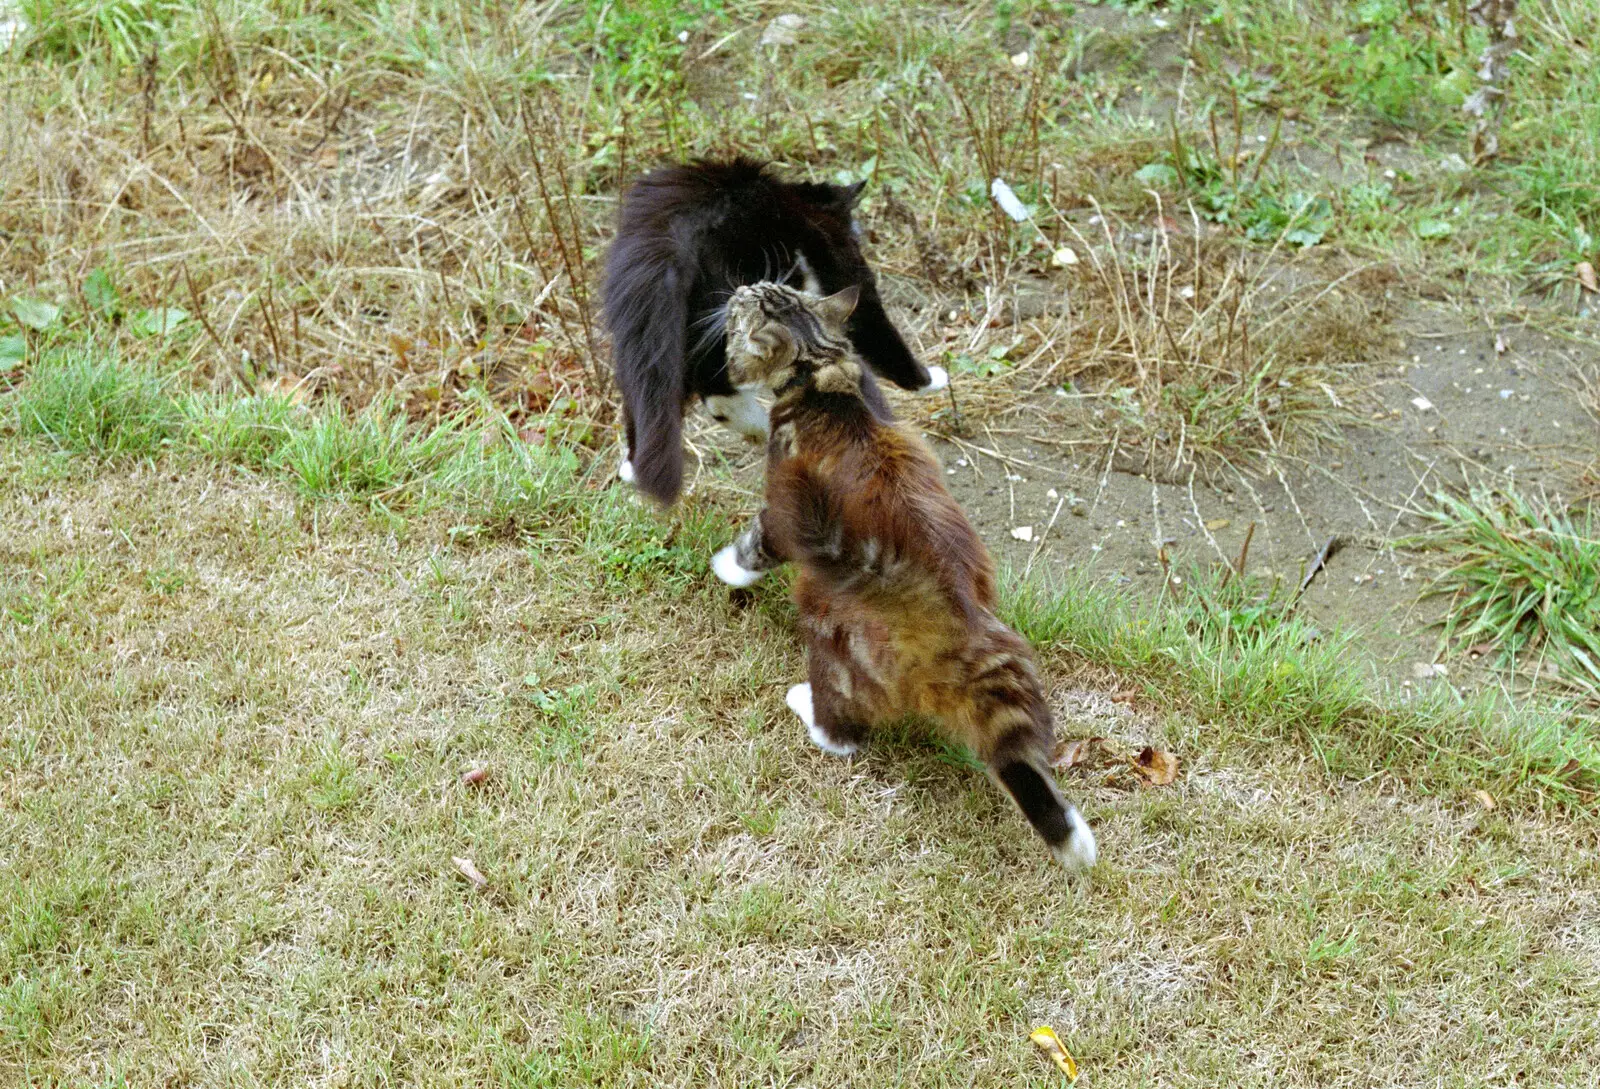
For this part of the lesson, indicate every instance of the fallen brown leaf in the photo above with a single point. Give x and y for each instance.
(1484, 798)
(469, 871)
(1124, 695)
(1070, 754)
(1156, 767)
(1586, 277)
(476, 775)
(1217, 523)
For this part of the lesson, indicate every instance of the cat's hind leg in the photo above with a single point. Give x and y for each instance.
(801, 699)
(740, 413)
(833, 721)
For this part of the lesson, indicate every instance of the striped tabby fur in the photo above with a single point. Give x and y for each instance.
(896, 592)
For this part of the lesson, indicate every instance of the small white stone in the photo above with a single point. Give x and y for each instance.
(1019, 60)
(1422, 403)
(1064, 257)
(1023, 533)
(784, 30)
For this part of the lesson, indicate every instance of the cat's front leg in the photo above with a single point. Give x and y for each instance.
(749, 557)
(879, 343)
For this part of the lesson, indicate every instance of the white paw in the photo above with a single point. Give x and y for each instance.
(725, 564)
(799, 701)
(821, 741)
(741, 413)
(938, 379)
(1080, 850)
(625, 470)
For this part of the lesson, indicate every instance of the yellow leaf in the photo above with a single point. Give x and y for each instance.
(1217, 523)
(1045, 1039)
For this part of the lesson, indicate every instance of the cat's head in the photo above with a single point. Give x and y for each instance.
(776, 333)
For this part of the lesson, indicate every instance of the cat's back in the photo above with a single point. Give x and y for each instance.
(894, 501)
(689, 199)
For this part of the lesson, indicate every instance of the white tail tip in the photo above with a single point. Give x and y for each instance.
(1080, 850)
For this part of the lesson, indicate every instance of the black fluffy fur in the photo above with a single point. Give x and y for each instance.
(687, 237)
(1039, 801)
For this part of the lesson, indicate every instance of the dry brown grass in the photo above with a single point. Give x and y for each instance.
(1169, 343)
(365, 227)
(233, 730)
(426, 213)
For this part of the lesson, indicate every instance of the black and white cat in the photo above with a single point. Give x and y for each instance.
(687, 237)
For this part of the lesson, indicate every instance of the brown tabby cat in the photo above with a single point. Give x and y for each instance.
(896, 592)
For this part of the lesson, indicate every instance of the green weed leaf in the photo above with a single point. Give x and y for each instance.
(1429, 229)
(101, 293)
(161, 321)
(34, 313)
(13, 350)
(1157, 176)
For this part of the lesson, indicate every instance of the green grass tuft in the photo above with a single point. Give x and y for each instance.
(1525, 577)
(1268, 681)
(371, 456)
(100, 406)
(249, 431)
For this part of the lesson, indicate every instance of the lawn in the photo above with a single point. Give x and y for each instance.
(357, 727)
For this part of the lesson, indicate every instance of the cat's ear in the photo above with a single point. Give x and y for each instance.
(836, 309)
(845, 196)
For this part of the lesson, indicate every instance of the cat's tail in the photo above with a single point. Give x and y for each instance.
(1058, 822)
(647, 307)
(1014, 738)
